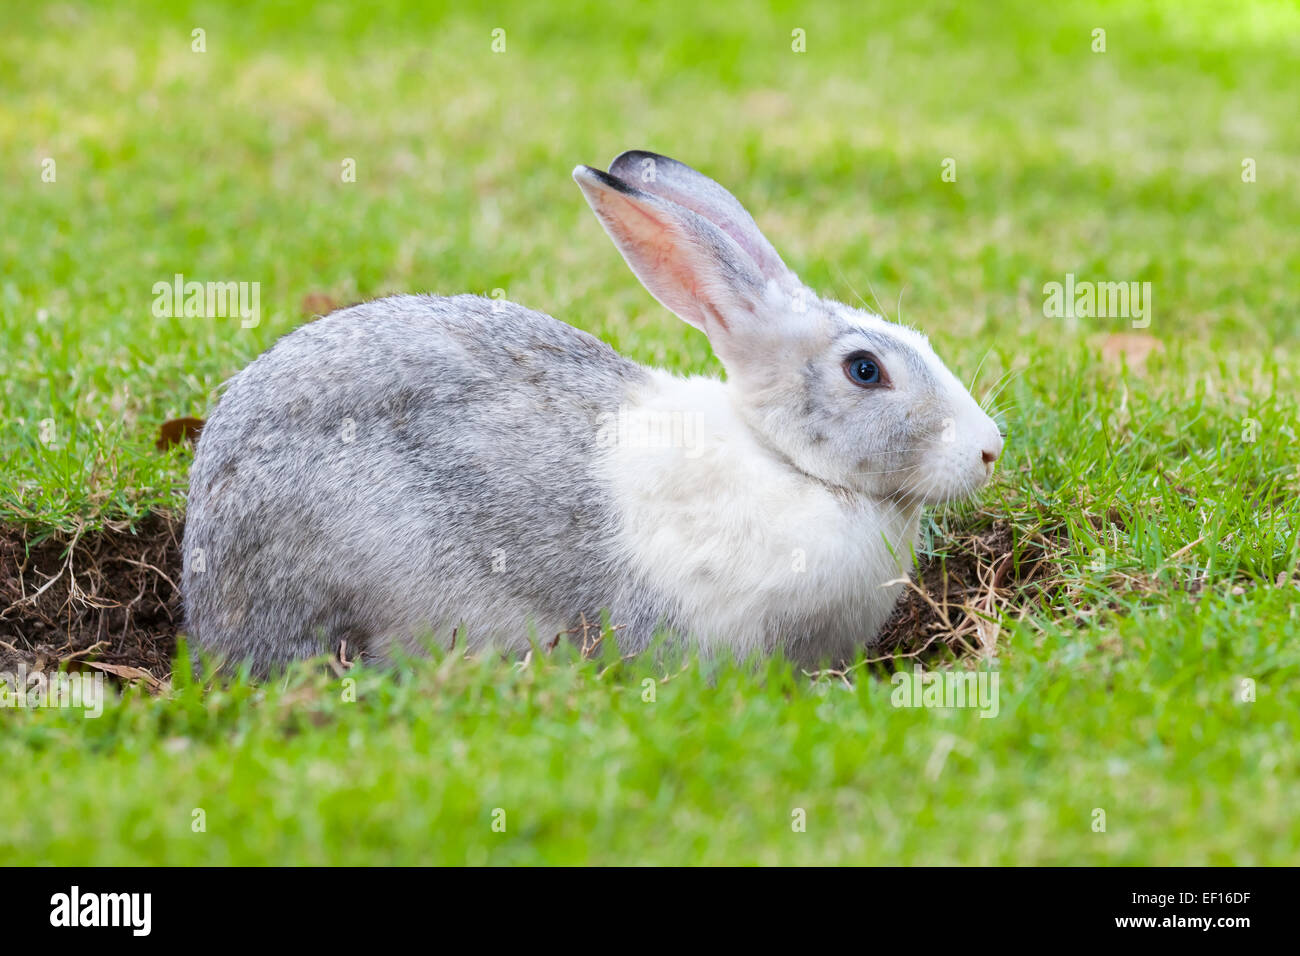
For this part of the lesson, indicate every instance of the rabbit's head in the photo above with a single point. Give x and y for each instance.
(843, 395)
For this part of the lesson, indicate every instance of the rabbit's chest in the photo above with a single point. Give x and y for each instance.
(753, 555)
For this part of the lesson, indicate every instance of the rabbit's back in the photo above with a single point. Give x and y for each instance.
(411, 464)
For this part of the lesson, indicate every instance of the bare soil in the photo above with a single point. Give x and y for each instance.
(111, 596)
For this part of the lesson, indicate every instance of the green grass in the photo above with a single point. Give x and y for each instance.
(586, 769)
(1165, 492)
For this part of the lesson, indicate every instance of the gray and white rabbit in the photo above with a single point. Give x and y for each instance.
(419, 465)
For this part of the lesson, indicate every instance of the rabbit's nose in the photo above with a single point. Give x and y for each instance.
(992, 450)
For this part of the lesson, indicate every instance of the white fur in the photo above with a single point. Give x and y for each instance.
(758, 553)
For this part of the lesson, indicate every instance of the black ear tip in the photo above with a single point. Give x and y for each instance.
(589, 175)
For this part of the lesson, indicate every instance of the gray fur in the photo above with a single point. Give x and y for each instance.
(472, 426)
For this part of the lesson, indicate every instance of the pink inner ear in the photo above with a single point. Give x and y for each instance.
(661, 259)
(741, 232)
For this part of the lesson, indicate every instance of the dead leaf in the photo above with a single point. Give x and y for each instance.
(128, 673)
(318, 303)
(178, 430)
(1133, 346)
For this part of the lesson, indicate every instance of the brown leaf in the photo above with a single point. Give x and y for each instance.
(178, 430)
(128, 673)
(318, 303)
(1133, 346)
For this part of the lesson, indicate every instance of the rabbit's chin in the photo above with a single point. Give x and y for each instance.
(941, 490)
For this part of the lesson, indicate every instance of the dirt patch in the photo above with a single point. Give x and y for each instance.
(110, 596)
(954, 606)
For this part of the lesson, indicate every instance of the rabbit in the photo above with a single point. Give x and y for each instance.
(469, 471)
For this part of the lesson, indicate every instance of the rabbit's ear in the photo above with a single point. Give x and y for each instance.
(677, 182)
(685, 262)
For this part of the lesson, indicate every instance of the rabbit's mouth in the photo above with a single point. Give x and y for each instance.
(935, 487)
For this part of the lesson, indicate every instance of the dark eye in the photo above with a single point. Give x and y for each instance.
(864, 370)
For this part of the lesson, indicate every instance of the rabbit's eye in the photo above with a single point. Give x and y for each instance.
(863, 369)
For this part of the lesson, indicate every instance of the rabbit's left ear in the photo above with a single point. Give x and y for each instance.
(679, 183)
(686, 262)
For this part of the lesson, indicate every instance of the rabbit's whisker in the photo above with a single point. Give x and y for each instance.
(891, 471)
(858, 295)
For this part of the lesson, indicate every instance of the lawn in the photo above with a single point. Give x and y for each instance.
(1131, 575)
